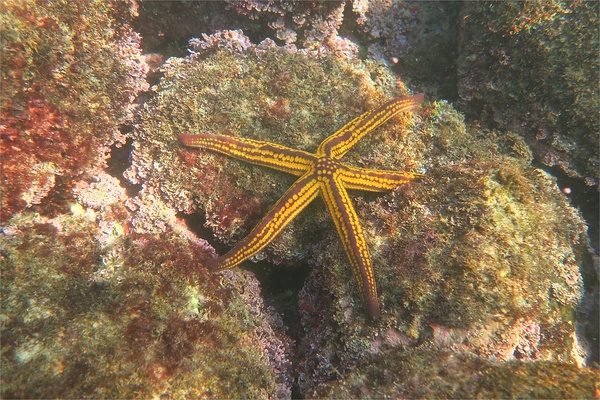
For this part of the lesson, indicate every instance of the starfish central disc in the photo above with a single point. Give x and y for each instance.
(319, 173)
(326, 167)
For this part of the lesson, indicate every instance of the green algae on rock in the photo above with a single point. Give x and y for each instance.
(531, 67)
(135, 316)
(430, 373)
(259, 92)
(483, 259)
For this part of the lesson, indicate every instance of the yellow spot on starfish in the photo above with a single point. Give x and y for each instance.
(319, 173)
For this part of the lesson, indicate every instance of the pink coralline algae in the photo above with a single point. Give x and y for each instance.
(233, 40)
(71, 74)
(145, 305)
(306, 22)
(103, 200)
(479, 267)
(388, 23)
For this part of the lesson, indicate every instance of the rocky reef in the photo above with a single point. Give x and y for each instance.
(70, 74)
(278, 96)
(309, 22)
(527, 67)
(434, 373)
(487, 283)
(104, 295)
(126, 314)
(458, 257)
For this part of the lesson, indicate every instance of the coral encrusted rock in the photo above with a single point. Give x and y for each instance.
(531, 67)
(482, 259)
(70, 74)
(479, 260)
(132, 315)
(232, 87)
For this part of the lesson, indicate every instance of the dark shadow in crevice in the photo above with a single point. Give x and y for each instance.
(196, 223)
(281, 286)
(120, 161)
(583, 197)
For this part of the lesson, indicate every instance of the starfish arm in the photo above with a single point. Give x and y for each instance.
(374, 180)
(342, 140)
(282, 158)
(298, 196)
(353, 239)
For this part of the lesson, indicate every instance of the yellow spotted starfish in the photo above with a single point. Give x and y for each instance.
(323, 173)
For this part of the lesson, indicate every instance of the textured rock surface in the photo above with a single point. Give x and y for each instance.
(121, 315)
(262, 92)
(527, 67)
(431, 373)
(104, 292)
(481, 259)
(70, 74)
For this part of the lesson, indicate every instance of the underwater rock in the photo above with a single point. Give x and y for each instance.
(418, 40)
(105, 295)
(478, 265)
(71, 74)
(263, 92)
(531, 67)
(167, 26)
(481, 259)
(431, 373)
(311, 23)
(387, 23)
(133, 315)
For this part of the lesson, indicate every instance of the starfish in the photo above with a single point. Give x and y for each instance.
(319, 173)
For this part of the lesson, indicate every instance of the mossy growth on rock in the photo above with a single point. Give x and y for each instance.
(481, 258)
(430, 373)
(135, 317)
(264, 93)
(531, 67)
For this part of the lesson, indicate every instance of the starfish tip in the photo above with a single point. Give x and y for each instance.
(373, 310)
